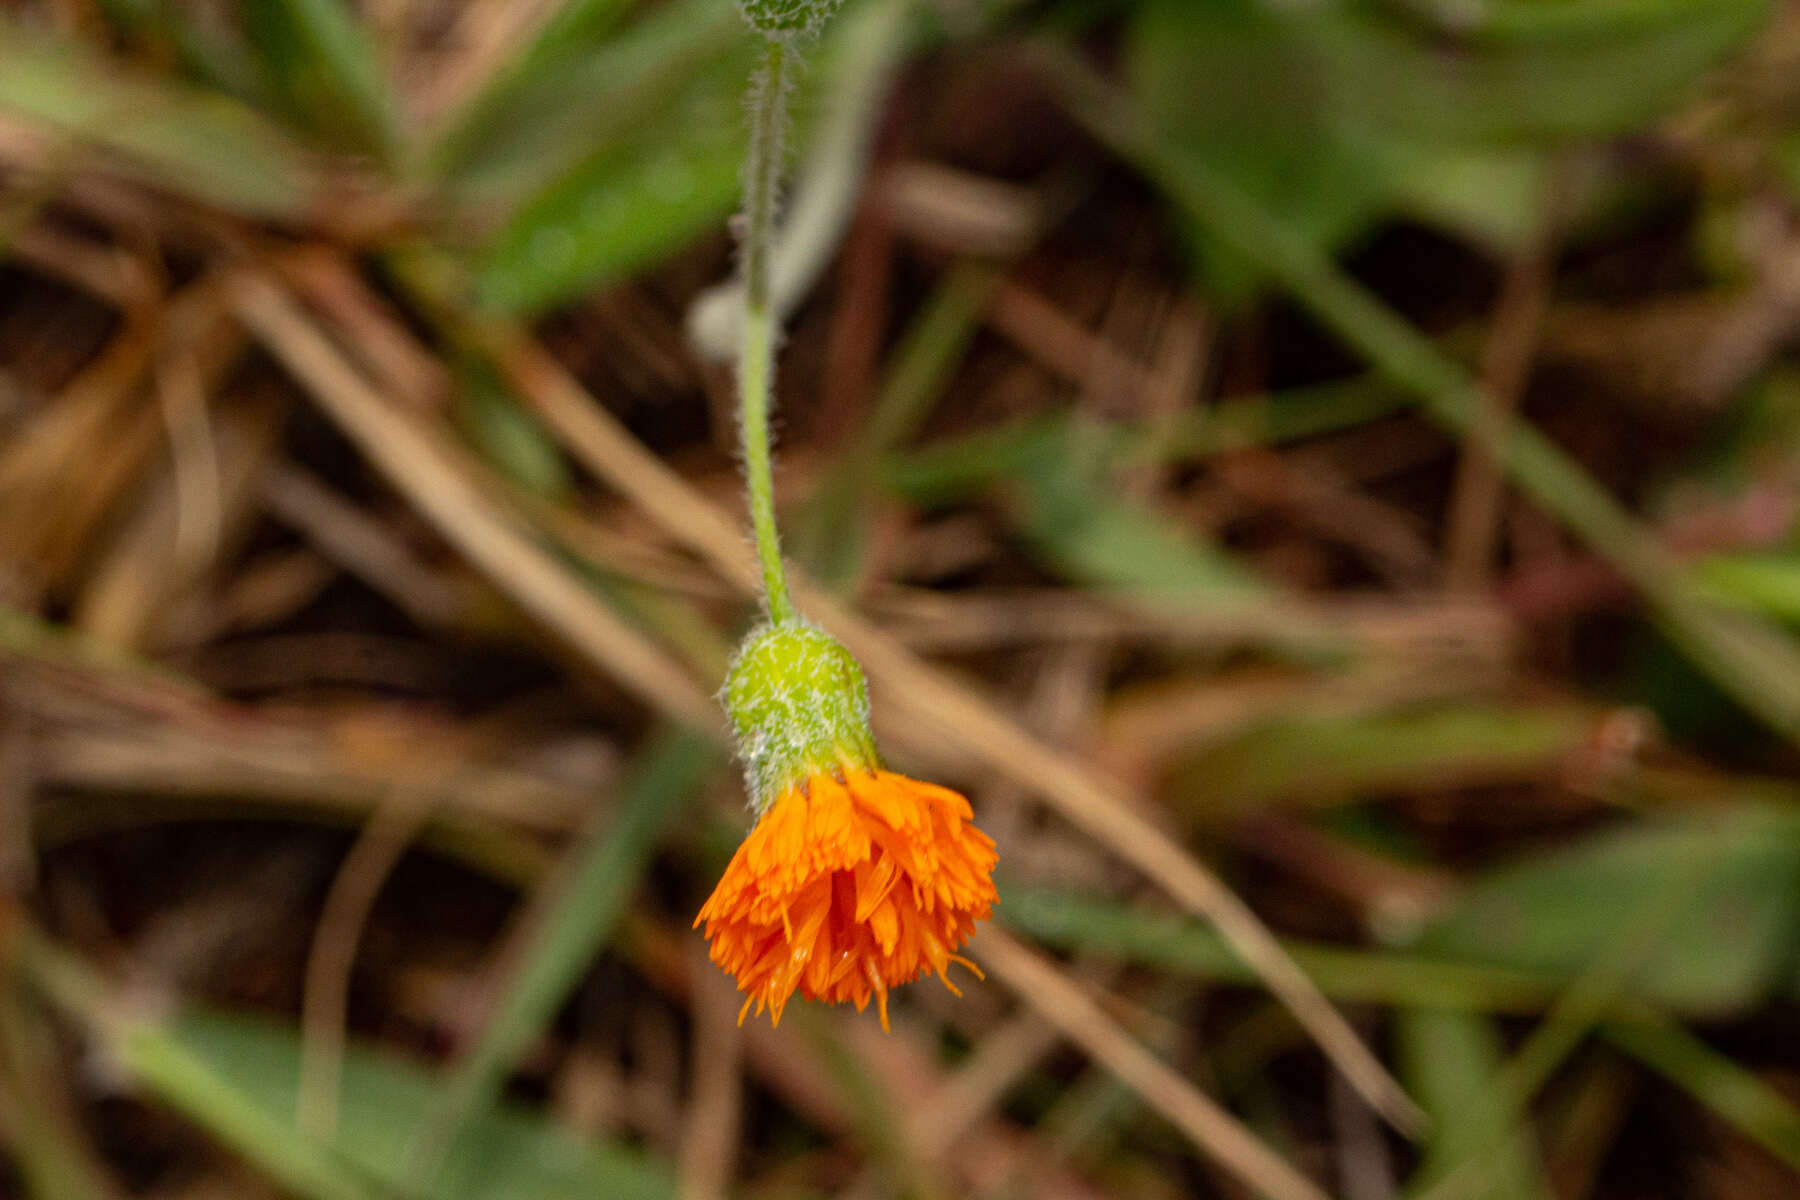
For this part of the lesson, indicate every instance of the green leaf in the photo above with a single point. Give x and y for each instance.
(1074, 515)
(193, 142)
(574, 27)
(1493, 194)
(328, 71)
(503, 1152)
(620, 211)
(570, 76)
(1732, 945)
(1522, 70)
(1232, 82)
(622, 156)
(573, 98)
(211, 51)
(1336, 115)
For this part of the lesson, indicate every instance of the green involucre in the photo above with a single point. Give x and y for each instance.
(799, 706)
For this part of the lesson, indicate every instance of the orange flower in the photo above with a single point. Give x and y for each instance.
(854, 879)
(850, 886)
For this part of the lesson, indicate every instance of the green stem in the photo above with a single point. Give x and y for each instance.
(756, 360)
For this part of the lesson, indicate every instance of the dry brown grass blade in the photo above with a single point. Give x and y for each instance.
(52, 508)
(1518, 323)
(101, 271)
(1211, 1128)
(374, 334)
(714, 1119)
(994, 1066)
(143, 585)
(281, 765)
(485, 36)
(385, 838)
(18, 782)
(934, 701)
(58, 494)
(423, 768)
(1460, 633)
(434, 478)
(353, 539)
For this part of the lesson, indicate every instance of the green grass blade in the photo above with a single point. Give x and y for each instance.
(566, 928)
(1171, 942)
(951, 470)
(161, 1061)
(512, 439)
(1451, 1062)
(1520, 934)
(1757, 1110)
(1340, 114)
(1765, 582)
(1335, 758)
(1078, 522)
(1526, 71)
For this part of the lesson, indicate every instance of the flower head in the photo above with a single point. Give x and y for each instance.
(848, 887)
(855, 879)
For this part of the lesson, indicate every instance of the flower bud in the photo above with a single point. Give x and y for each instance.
(800, 707)
(778, 18)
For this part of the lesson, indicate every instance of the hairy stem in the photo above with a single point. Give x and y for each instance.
(762, 175)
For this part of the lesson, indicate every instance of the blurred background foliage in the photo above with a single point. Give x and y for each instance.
(1350, 446)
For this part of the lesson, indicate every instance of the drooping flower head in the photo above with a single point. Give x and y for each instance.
(854, 879)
